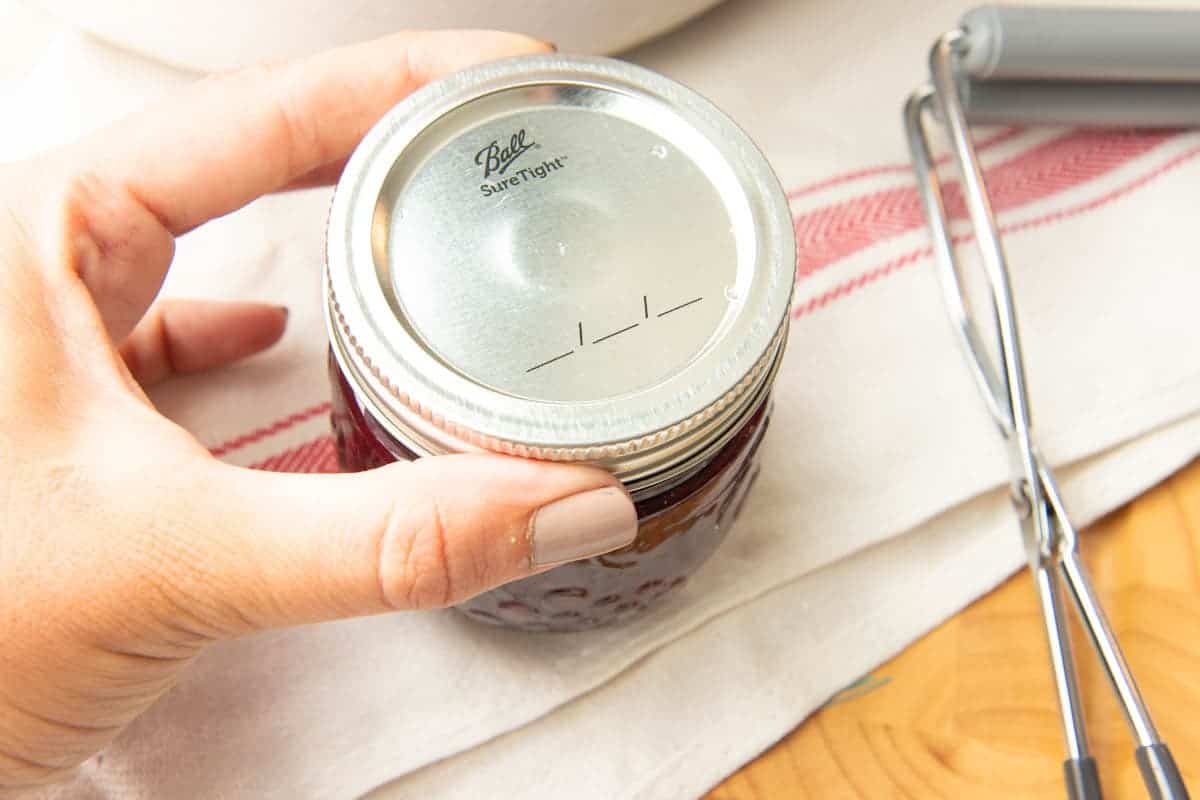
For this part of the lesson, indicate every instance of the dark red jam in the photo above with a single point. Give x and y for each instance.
(679, 529)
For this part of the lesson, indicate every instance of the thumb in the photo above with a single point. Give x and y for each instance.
(270, 549)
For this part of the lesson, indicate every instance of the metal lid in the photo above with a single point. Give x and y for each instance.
(561, 258)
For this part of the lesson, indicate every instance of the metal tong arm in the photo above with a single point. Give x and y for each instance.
(1159, 770)
(1050, 537)
(1079, 768)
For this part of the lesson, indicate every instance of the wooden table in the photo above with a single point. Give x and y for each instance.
(968, 711)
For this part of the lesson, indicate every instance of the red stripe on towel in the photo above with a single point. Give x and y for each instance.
(317, 455)
(882, 271)
(827, 235)
(280, 425)
(894, 169)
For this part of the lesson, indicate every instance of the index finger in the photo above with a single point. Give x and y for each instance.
(228, 139)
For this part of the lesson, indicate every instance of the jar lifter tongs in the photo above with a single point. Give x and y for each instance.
(1072, 66)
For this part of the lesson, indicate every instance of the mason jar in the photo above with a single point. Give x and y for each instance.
(569, 259)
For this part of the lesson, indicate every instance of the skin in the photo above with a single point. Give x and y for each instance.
(125, 548)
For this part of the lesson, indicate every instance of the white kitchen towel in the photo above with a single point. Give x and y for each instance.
(877, 512)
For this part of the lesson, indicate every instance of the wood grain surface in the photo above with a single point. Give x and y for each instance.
(968, 711)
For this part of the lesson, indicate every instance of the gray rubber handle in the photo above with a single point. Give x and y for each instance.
(1083, 781)
(1108, 105)
(1082, 44)
(1160, 774)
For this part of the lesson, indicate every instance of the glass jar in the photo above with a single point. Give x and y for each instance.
(678, 529)
(574, 260)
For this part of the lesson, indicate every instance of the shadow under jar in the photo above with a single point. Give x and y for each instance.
(574, 260)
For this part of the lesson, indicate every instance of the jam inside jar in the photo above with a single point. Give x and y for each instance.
(678, 529)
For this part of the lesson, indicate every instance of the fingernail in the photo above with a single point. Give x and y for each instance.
(582, 525)
(551, 46)
(285, 311)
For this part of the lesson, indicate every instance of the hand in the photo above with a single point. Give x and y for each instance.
(125, 548)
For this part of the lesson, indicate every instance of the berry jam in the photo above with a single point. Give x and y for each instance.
(678, 529)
